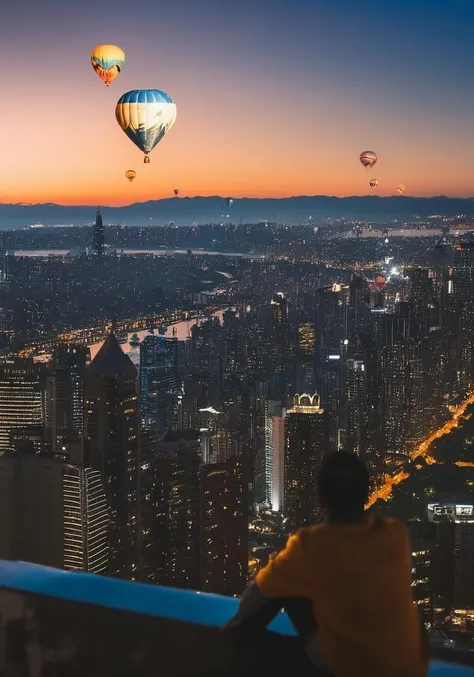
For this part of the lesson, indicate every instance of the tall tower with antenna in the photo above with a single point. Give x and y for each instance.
(98, 238)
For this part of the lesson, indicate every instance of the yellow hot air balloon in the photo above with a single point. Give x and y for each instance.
(401, 189)
(107, 61)
(130, 174)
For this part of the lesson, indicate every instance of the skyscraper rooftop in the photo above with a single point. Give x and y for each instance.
(111, 362)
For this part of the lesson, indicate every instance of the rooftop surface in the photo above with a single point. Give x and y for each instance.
(179, 605)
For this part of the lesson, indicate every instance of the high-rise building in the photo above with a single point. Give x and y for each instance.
(455, 554)
(158, 383)
(21, 397)
(275, 454)
(178, 508)
(85, 519)
(306, 443)
(65, 392)
(224, 527)
(113, 432)
(98, 240)
(52, 513)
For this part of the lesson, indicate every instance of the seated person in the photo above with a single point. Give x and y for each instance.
(346, 586)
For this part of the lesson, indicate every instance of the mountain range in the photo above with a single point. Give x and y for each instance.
(188, 210)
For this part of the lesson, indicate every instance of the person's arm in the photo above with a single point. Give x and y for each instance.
(287, 574)
(283, 577)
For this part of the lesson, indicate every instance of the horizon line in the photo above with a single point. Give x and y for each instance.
(219, 197)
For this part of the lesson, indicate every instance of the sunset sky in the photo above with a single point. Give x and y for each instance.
(274, 97)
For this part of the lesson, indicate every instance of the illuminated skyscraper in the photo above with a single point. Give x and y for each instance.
(52, 513)
(112, 430)
(98, 236)
(275, 454)
(86, 519)
(21, 398)
(306, 442)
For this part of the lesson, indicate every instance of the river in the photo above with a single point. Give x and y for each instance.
(155, 252)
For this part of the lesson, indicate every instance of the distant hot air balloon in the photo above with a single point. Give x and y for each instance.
(107, 61)
(130, 174)
(380, 282)
(368, 158)
(229, 201)
(401, 189)
(145, 115)
(373, 183)
(176, 192)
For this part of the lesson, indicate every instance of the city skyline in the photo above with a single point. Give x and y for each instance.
(305, 72)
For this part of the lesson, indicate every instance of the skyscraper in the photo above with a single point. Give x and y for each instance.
(113, 431)
(275, 454)
(98, 240)
(66, 392)
(224, 527)
(158, 383)
(178, 508)
(306, 442)
(52, 513)
(86, 519)
(21, 398)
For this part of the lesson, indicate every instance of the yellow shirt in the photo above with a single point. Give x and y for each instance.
(358, 578)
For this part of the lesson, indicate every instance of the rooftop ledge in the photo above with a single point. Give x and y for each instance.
(54, 622)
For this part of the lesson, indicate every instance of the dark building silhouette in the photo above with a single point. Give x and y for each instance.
(98, 241)
(177, 527)
(306, 442)
(113, 433)
(65, 392)
(224, 527)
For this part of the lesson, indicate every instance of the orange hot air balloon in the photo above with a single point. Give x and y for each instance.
(130, 174)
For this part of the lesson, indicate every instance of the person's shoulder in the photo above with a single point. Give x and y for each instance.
(390, 525)
(311, 534)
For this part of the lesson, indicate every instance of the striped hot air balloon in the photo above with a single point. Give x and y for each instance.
(145, 115)
(368, 158)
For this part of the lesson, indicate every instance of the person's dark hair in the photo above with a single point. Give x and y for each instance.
(343, 485)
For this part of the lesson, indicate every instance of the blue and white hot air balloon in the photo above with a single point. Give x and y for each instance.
(145, 115)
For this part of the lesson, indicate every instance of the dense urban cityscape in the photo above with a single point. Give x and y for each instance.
(163, 414)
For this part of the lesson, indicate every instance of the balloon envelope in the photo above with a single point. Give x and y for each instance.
(229, 201)
(373, 183)
(107, 61)
(145, 115)
(176, 192)
(368, 158)
(401, 189)
(130, 174)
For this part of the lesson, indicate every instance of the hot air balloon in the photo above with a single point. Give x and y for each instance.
(176, 192)
(130, 174)
(107, 61)
(145, 115)
(368, 158)
(229, 201)
(373, 183)
(401, 189)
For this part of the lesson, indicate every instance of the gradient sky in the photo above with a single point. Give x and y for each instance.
(274, 97)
